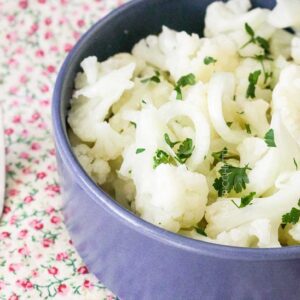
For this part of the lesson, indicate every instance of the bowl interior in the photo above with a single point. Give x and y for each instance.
(118, 32)
(121, 29)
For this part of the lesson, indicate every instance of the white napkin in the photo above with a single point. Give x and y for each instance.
(2, 164)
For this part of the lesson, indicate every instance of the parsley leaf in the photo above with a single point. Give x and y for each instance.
(245, 200)
(263, 43)
(139, 150)
(168, 141)
(133, 124)
(248, 129)
(185, 150)
(258, 40)
(269, 138)
(222, 155)
(295, 163)
(231, 178)
(292, 217)
(253, 78)
(229, 124)
(249, 30)
(200, 230)
(183, 81)
(209, 60)
(161, 157)
(154, 78)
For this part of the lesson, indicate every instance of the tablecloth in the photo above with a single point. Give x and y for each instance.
(37, 258)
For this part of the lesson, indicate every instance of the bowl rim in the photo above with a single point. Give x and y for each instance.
(134, 222)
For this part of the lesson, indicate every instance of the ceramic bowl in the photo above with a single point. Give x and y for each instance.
(133, 258)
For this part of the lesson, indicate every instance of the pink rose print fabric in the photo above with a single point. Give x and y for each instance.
(37, 258)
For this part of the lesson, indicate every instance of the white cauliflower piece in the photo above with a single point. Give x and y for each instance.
(221, 89)
(223, 215)
(166, 47)
(286, 100)
(178, 198)
(255, 114)
(91, 104)
(296, 50)
(280, 43)
(168, 196)
(110, 144)
(285, 14)
(251, 150)
(97, 168)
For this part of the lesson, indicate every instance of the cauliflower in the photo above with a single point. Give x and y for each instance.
(91, 104)
(285, 14)
(97, 168)
(221, 89)
(187, 131)
(296, 50)
(286, 100)
(224, 216)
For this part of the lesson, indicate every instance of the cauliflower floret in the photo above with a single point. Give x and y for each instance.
(177, 200)
(97, 168)
(110, 143)
(223, 215)
(286, 100)
(181, 54)
(251, 150)
(221, 89)
(91, 104)
(296, 49)
(168, 196)
(280, 43)
(285, 14)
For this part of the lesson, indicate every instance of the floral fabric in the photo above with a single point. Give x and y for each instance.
(37, 258)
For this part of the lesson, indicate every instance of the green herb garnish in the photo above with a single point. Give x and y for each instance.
(248, 129)
(253, 78)
(133, 124)
(168, 141)
(295, 163)
(200, 230)
(231, 178)
(161, 157)
(155, 78)
(269, 138)
(188, 79)
(139, 150)
(185, 150)
(209, 60)
(245, 200)
(292, 217)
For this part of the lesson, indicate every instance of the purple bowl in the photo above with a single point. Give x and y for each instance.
(133, 258)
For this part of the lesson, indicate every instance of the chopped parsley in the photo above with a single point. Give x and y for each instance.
(229, 124)
(139, 150)
(253, 79)
(292, 217)
(161, 157)
(188, 79)
(200, 230)
(220, 156)
(231, 178)
(209, 60)
(295, 163)
(248, 129)
(185, 150)
(245, 200)
(168, 141)
(269, 138)
(133, 124)
(155, 78)
(258, 40)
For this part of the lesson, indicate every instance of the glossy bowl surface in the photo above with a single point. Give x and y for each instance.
(133, 258)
